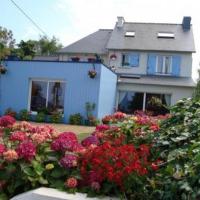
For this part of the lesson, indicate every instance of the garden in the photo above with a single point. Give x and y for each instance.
(127, 156)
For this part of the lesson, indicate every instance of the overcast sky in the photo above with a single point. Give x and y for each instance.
(70, 20)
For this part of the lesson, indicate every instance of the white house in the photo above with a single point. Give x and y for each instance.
(151, 59)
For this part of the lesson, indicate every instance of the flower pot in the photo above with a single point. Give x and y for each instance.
(3, 70)
(91, 59)
(75, 59)
(92, 73)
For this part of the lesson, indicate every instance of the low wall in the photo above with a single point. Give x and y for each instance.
(53, 194)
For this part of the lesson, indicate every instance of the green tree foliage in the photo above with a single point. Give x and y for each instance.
(6, 42)
(26, 49)
(44, 46)
(196, 94)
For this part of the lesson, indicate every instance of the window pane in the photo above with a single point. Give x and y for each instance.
(130, 101)
(56, 97)
(125, 60)
(157, 103)
(38, 95)
(167, 64)
(160, 65)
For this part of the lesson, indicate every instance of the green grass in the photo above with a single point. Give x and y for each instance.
(82, 136)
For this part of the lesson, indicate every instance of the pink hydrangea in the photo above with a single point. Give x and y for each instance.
(65, 141)
(26, 150)
(18, 136)
(10, 155)
(95, 186)
(102, 127)
(7, 121)
(71, 182)
(38, 138)
(69, 161)
(2, 149)
(91, 140)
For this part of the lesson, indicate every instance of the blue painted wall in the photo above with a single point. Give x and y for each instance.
(79, 88)
(107, 92)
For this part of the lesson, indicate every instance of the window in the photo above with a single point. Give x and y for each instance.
(130, 34)
(130, 59)
(165, 35)
(164, 65)
(47, 96)
(130, 101)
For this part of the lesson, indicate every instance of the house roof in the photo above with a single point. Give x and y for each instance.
(146, 37)
(94, 43)
(159, 80)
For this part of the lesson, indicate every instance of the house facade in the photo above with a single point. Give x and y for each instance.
(55, 86)
(150, 59)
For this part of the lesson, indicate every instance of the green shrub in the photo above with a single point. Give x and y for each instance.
(55, 117)
(76, 119)
(179, 146)
(24, 115)
(40, 117)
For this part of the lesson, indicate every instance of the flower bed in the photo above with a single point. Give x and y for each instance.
(131, 157)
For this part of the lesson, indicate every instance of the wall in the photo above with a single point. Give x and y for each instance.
(177, 93)
(107, 92)
(186, 63)
(79, 87)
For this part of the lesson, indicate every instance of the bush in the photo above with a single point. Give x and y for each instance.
(40, 117)
(76, 119)
(24, 115)
(55, 117)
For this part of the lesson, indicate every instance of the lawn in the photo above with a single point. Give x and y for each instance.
(81, 131)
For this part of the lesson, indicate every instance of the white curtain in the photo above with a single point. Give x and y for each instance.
(168, 99)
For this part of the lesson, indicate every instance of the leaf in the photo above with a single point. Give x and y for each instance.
(37, 167)
(43, 181)
(28, 171)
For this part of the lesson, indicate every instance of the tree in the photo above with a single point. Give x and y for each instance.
(196, 94)
(47, 46)
(26, 49)
(6, 42)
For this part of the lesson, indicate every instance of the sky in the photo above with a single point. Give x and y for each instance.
(70, 20)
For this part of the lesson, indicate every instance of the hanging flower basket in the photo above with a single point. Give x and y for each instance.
(3, 70)
(92, 73)
(75, 59)
(113, 57)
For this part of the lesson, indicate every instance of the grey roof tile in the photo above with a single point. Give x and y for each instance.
(93, 43)
(146, 38)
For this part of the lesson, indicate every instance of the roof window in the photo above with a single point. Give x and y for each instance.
(130, 34)
(165, 35)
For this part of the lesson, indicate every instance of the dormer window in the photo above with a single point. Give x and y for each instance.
(166, 35)
(130, 34)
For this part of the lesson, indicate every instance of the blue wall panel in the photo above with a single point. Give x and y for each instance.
(79, 89)
(107, 93)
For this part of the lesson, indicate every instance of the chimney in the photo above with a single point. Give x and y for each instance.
(120, 22)
(186, 23)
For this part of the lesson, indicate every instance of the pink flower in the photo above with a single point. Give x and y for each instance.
(71, 182)
(7, 121)
(26, 150)
(10, 155)
(91, 140)
(95, 186)
(38, 138)
(2, 149)
(18, 136)
(69, 161)
(102, 127)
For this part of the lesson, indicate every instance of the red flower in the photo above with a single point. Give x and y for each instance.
(26, 150)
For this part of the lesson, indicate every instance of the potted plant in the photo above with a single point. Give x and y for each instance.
(113, 57)
(75, 59)
(91, 59)
(3, 70)
(92, 73)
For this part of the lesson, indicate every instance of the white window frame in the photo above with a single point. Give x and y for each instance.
(163, 65)
(130, 34)
(30, 91)
(167, 35)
